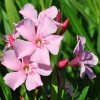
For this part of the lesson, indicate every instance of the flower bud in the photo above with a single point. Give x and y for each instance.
(11, 40)
(64, 27)
(63, 63)
(58, 18)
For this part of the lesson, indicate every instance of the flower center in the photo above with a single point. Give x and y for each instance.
(38, 42)
(26, 68)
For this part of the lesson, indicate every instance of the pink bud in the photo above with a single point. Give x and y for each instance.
(58, 18)
(64, 27)
(63, 63)
(11, 40)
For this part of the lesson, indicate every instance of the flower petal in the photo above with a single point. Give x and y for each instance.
(82, 39)
(33, 81)
(28, 11)
(90, 73)
(90, 58)
(54, 43)
(44, 70)
(50, 12)
(23, 48)
(78, 49)
(41, 56)
(26, 60)
(83, 71)
(15, 79)
(69, 89)
(46, 27)
(26, 29)
(75, 62)
(10, 61)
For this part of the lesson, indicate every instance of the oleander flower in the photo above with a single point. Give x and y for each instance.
(85, 59)
(40, 42)
(24, 70)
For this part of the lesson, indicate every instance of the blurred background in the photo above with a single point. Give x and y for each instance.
(84, 20)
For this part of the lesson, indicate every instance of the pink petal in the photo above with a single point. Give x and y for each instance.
(15, 79)
(44, 70)
(28, 11)
(26, 60)
(7, 46)
(82, 72)
(90, 73)
(23, 48)
(33, 81)
(26, 29)
(82, 39)
(46, 27)
(41, 56)
(50, 12)
(10, 61)
(90, 58)
(54, 43)
(78, 49)
(58, 24)
(16, 35)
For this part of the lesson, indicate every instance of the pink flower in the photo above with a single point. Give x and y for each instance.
(24, 71)
(28, 11)
(85, 59)
(9, 39)
(39, 43)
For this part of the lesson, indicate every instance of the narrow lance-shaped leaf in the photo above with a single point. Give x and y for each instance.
(84, 93)
(54, 85)
(5, 89)
(78, 6)
(12, 13)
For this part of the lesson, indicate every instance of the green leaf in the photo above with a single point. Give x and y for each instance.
(75, 93)
(83, 94)
(54, 85)
(12, 13)
(5, 21)
(48, 3)
(78, 6)
(90, 5)
(5, 89)
(42, 4)
(18, 2)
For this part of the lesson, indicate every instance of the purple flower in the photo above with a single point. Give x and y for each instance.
(85, 59)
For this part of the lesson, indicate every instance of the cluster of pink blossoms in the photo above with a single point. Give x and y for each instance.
(29, 57)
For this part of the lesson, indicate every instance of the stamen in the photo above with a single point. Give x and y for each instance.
(26, 68)
(38, 42)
